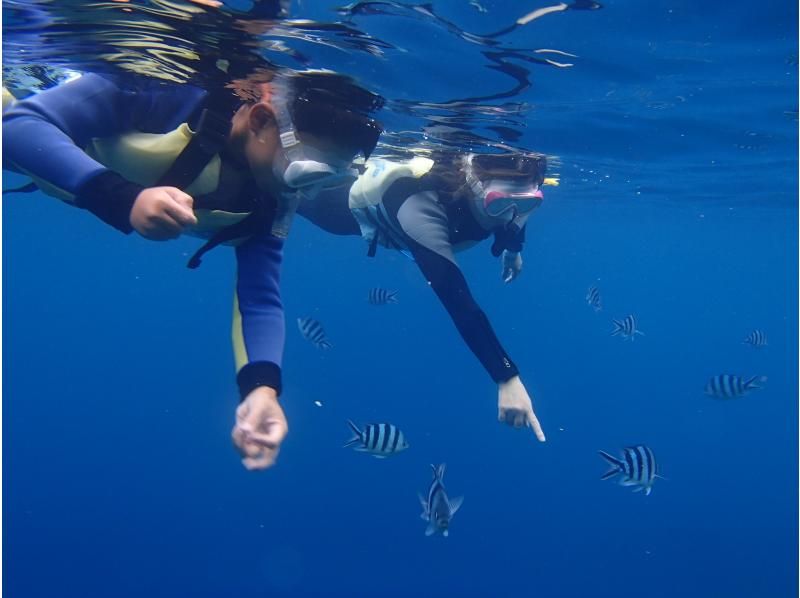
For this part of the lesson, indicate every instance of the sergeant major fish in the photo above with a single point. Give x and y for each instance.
(626, 328)
(756, 338)
(637, 467)
(380, 440)
(593, 298)
(313, 332)
(438, 509)
(378, 296)
(728, 386)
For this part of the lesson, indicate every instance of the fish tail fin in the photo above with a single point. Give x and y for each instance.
(392, 297)
(755, 382)
(438, 471)
(617, 327)
(357, 436)
(455, 504)
(616, 465)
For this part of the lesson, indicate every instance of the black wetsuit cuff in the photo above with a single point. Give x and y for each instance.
(258, 373)
(110, 197)
(504, 371)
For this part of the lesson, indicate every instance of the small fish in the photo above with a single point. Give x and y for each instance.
(379, 440)
(593, 299)
(313, 332)
(637, 467)
(438, 509)
(626, 327)
(728, 386)
(756, 338)
(378, 296)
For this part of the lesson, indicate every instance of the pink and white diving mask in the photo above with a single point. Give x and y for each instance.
(503, 197)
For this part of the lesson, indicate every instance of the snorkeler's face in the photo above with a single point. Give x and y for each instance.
(316, 160)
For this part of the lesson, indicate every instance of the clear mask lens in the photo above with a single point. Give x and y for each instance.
(500, 201)
(305, 173)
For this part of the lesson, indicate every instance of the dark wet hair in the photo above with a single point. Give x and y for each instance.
(447, 175)
(326, 104)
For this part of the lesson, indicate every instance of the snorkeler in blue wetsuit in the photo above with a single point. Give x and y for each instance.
(164, 160)
(432, 208)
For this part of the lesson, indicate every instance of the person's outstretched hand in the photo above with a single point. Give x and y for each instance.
(512, 265)
(260, 428)
(515, 408)
(162, 213)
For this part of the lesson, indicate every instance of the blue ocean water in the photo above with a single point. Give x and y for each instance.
(676, 138)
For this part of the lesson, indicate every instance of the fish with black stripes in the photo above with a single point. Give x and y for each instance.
(437, 508)
(626, 328)
(314, 333)
(379, 440)
(593, 299)
(729, 386)
(636, 468)
(379, 296)
(756, 339)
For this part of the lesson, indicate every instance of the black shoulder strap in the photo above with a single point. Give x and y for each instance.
(254, 222)
(209, 139)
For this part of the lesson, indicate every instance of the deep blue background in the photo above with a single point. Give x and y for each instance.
(677, 136)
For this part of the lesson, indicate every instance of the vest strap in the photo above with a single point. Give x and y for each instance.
(209, 139)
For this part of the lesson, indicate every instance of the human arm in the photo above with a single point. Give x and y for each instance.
(258, 339)
(44, 137)
(425, 224)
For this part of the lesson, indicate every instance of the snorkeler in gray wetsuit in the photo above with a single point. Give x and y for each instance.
(431, 209)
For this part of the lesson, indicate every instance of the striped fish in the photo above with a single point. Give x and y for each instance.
(378, 296)
(437, 508)
(593, 298)
(637, 467)
(756, 338)
(379, 440)
(728, 386)
(626, 327)
(313, 332)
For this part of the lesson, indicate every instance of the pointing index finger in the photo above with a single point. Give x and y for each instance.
(536, 426)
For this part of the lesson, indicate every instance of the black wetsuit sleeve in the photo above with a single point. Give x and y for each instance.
(449, 284)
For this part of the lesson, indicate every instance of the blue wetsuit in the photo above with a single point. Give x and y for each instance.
(44, 135)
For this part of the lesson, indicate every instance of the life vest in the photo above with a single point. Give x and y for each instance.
(368, 191)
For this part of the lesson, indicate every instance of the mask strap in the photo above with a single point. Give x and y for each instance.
(291, 145)
(474, 182)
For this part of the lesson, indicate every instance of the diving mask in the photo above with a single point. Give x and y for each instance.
(304, 165)
(504, 197)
